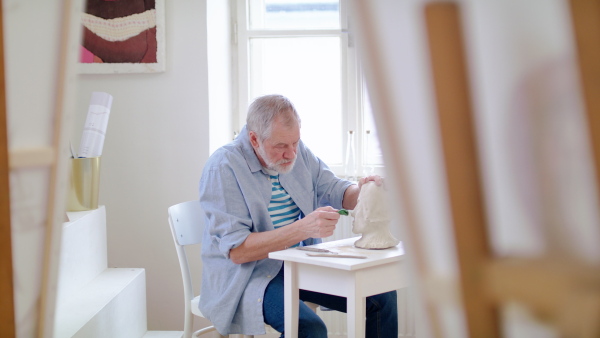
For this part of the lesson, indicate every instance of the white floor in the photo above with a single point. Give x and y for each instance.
(163, 334)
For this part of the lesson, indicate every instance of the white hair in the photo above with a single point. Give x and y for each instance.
(263, 111)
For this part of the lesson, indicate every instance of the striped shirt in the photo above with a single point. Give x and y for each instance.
(282, 209)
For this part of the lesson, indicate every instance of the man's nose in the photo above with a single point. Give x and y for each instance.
(289, 154)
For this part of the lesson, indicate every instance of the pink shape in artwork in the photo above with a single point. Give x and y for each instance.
(85, 56)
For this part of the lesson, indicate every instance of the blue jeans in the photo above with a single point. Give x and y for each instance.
(382, 311)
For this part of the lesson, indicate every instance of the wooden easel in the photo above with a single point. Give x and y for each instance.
(571, 288)
(55, 158)
(7, 315)
(459, 145)
(570, 297)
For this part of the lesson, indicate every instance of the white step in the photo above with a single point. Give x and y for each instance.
(83, 254)
(163, 334)
(112, 305)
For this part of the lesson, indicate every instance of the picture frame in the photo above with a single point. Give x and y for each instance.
(122, 44)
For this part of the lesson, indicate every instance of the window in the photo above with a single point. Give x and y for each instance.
(303, 49)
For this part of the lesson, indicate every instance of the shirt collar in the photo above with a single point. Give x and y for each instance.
(270, 172)
(248, 151)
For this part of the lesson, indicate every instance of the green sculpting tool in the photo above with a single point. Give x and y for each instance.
(343, 212)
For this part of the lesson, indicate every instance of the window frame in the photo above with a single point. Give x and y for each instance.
(352, 80)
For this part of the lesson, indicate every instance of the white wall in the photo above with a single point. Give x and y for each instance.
(156, 144)
(220, 89)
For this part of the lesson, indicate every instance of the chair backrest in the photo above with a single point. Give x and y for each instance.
(186, 220)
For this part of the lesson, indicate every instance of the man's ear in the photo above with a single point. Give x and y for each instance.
(253, 139)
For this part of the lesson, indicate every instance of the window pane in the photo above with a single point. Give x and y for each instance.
(294, 14)
(373, 156)
(307, 71)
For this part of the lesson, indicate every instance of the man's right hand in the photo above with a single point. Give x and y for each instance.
(320, 223)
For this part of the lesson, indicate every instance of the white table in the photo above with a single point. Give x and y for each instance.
(353, 278)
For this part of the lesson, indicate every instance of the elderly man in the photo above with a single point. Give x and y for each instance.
(266, 191)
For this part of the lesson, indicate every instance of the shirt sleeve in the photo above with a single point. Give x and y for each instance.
(229, 221)
(329, 189)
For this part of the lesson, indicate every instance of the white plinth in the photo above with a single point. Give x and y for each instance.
(83, 254)
(112, 305)
(92, 300)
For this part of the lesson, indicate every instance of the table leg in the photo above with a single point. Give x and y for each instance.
(356, 316)
(291, 299)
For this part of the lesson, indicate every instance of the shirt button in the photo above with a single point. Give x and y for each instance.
(268, 276)
(259, 300)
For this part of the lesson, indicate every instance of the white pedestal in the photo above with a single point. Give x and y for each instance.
(92, 300)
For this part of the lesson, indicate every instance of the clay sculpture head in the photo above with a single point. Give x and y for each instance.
(372, 219)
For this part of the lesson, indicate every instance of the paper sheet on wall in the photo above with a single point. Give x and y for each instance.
(94, 130)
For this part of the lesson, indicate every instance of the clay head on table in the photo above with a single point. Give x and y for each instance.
(372, 219)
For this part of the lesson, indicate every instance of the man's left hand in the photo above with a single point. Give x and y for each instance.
(373, 178)
(352, 192)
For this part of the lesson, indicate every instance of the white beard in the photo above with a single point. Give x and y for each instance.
(277, 166)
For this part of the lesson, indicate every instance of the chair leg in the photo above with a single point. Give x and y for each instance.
(312, 306)
(205, 330)
(188, 325)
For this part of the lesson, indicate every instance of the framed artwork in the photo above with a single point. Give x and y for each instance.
(122, 36)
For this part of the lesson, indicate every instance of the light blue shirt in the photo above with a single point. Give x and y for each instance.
(235, 192)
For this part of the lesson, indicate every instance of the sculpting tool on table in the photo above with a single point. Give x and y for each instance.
(333, 255)
(318, 252)
(310, 248)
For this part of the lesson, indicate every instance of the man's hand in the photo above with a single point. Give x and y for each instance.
(318, 224)
(321, 222)
(351, 193)
(373, 178)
